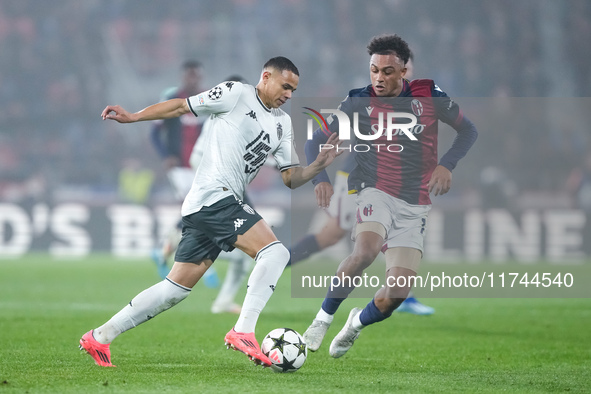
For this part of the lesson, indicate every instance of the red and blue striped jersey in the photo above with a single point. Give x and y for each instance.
(404, 171)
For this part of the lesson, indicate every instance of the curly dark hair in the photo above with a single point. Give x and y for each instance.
(387, 44)
(281, 63)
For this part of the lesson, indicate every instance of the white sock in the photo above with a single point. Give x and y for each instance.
(270, 263)
(142, 307)
(356, 323)
(238, 267)
(323, 316)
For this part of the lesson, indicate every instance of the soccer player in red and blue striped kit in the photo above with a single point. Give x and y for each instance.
(393, 178)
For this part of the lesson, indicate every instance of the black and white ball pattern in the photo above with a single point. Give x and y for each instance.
(286, 349)
(215, 93)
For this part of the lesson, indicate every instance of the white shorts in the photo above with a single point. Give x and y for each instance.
(181, 179)
(342, 204)
(404, 223)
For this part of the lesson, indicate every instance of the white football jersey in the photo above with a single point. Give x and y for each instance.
(243, 132)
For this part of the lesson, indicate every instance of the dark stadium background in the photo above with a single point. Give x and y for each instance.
(519, 68)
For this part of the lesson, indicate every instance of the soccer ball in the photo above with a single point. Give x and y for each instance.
(286, 349)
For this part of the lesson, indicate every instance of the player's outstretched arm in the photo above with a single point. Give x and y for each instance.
(164, 110)
(296, 177)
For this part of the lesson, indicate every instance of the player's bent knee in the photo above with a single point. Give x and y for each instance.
(255, 239)
(364, 257)
(395, 292)
(275, 252)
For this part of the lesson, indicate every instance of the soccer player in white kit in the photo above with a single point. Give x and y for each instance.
(248, 127)
(239, 264)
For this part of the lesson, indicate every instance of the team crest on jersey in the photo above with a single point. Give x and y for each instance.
(215, 93)
(417, 107)
(367, 210)
(201, 101)
(279, 131)
(248, 209)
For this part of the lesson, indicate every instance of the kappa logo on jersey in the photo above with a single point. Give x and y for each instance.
(417, 107)
(238, 223)
(252, 114)
(279, 131)
(256, 152)
(229, 85)
(369, 110)
(215, 93)
(367, 210)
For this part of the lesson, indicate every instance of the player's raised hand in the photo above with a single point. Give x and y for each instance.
(440, 181)
(118, 113)
(329, 151)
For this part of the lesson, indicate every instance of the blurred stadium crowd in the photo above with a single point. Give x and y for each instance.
(63, 61)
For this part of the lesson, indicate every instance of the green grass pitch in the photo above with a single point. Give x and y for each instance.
(469, 345)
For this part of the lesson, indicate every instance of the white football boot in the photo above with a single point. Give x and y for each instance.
(346, 337)
(315, 334)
